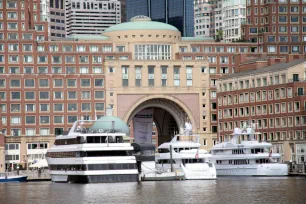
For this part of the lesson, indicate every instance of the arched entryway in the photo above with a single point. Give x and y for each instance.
(169, 115)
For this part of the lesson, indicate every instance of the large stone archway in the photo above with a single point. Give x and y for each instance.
(166, 110)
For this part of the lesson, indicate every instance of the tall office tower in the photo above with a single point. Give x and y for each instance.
(179, 13)
(57, 19)
(123, 11)
(277, 26)
(91, 16)
(233, 16)
(216, 19)
(202, 16)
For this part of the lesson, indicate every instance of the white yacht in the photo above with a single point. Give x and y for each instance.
(183, 152)
(93, 152)
(247, 157)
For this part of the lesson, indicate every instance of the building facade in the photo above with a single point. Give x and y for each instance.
(233, 16)
(46, 85)
(179, 13)
(91, 17)
(268, 93)
(57, 19)
(202, 17)
(279, 26)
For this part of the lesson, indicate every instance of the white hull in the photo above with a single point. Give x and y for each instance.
(199, 171)
(252, 170)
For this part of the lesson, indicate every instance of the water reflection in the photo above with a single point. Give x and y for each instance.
(227, 190)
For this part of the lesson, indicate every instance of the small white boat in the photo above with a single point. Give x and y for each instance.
(9, 177)
(186, 155)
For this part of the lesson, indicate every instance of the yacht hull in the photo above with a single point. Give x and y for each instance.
(252, 170)
(116, 178)
(199, 172)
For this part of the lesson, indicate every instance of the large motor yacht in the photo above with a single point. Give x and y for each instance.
(183, 152)
(245, 156)
(93, 152)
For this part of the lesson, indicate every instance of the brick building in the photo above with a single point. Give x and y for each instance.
(46, 85)
(277, 26)
(271, 94)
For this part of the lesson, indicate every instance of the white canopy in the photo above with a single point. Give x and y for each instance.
(39, 164)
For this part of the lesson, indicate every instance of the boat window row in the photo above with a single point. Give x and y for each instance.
(62, 154)
(67, 141)
(191, 161)
(237, 151)
(112, 153)
(84, 167)
(81, 167)
(163, 150)
(111, 166)
(104, 139)
(90, 139)
(165, 161)
(186, 148)
(239, 162)
(262, 161)
(257, 150)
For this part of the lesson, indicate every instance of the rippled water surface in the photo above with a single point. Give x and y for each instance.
(227, 190)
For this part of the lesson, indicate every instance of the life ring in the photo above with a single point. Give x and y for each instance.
(101, 130)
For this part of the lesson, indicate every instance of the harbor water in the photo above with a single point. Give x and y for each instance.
(227, 190)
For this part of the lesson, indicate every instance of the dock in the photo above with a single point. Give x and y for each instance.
(33, 176)
(296, 174)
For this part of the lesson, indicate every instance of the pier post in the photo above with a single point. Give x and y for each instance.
(171, 158)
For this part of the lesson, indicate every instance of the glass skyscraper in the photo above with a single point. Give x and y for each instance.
(179, 13)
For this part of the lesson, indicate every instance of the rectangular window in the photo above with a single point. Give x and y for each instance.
(86, 107)
(72, 107)
(15, 82)
(15, 95)
(44, 82)
(71, 82)
(99, 106)
(30, 107)
(72, 94)
(30, 95)
(72, 118)
(58, 82)
(30, 120)
(44, 119)
(58, 119)
(58, 107)
(58, 95)
(44, 95)
(99, 94)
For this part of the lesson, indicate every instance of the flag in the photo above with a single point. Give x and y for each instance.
(270, 154)
(197, 154)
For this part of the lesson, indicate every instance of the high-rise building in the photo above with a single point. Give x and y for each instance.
(92, 16)
(221, 19)
(56, 19)
(216, 19)
(233, 16)
(277, 26)
(179, 13)
(123, 10)
(202, 18)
